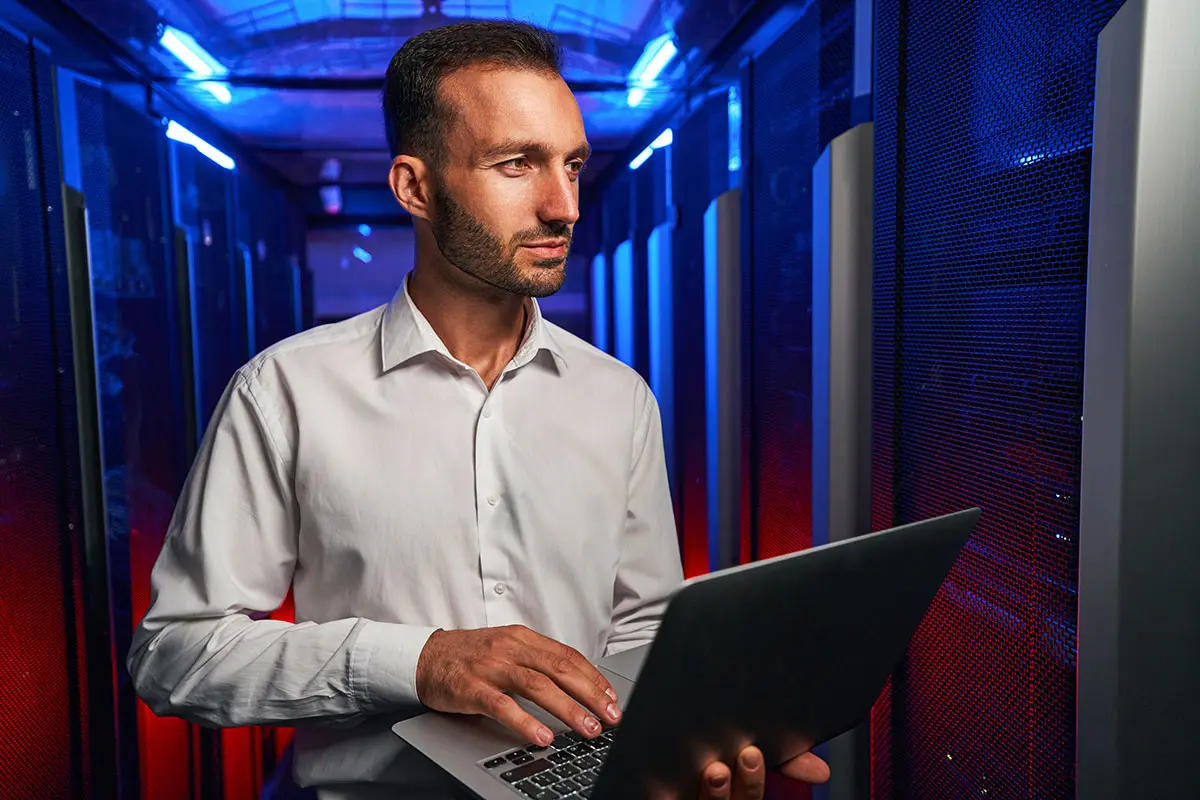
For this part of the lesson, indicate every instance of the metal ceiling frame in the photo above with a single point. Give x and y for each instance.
(92, 46)
(371, 83)
(320, 31)
(740, 34)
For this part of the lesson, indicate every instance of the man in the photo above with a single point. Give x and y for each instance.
(436, 479)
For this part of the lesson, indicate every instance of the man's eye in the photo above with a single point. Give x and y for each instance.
(576, 167)
(516, 163)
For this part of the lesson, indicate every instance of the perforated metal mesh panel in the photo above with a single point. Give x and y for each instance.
(36, 695)
(135, 307)
(801, 100)
(983, 134)
(72, 500)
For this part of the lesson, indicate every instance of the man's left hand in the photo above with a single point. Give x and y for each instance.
(749, 780)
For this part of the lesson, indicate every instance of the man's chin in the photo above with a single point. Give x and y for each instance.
(539, 289)
(542, 285)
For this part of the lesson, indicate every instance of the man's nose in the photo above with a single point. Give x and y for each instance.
(559, 200)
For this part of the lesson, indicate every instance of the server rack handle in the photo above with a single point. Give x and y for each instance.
(97, 640)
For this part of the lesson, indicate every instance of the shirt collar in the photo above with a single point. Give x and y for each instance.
(406, 334)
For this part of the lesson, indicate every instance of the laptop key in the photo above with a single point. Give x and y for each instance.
(521, 759)
(547, 794)
(527, 788)
(588, 762)
(525, 771)
(561, 757)
(495, 762)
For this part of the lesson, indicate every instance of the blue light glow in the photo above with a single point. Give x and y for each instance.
(662, 50)
(623, 301)
(362, 255)
(198, 60)
(658, 54)
(661, 299)
(600, 302)
(220, 91)
(664, 140)
(735, 129)
(1034, 156)
(181, 134)
(364, 230)
(711, 401)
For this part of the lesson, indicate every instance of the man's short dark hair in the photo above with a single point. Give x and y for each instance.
(414, 113)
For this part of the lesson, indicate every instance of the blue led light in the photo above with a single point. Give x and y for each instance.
(600, 302)
(735, 129)
(198, 60)
(623, 310)
(665, 139)
(181, 134)
(658, 54)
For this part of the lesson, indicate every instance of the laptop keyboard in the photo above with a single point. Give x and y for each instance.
(568, 768)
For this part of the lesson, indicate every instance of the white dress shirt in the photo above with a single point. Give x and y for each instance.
(364, 466)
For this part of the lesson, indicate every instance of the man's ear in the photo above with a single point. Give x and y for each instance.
(410, 179)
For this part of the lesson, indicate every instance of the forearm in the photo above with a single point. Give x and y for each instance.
(234, 670)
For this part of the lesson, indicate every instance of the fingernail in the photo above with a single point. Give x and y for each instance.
(609, 691)
(592, 725)
(544, 736)
(614, 713)
(718, 781)
(751, 760)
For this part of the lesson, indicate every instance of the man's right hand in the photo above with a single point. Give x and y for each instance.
(468, 672)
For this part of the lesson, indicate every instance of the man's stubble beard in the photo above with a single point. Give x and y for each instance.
(466, 242)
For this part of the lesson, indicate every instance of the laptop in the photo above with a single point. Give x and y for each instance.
(784, 653)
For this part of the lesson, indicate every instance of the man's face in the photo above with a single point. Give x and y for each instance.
(506, 201)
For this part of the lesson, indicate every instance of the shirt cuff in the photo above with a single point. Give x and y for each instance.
(383, 665)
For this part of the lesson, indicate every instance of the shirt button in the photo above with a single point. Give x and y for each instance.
(500, 588)
(493, 499)
(487, 413)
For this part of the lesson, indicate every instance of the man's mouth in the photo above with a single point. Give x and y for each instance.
(548, 248)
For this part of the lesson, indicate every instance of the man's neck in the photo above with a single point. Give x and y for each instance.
(482, 327)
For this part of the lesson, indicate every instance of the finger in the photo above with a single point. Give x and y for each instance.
(544, 691)
(715, 782)
(589, 670)
(505, 710)
(575, 675)
(750, 783)
(808, 768)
